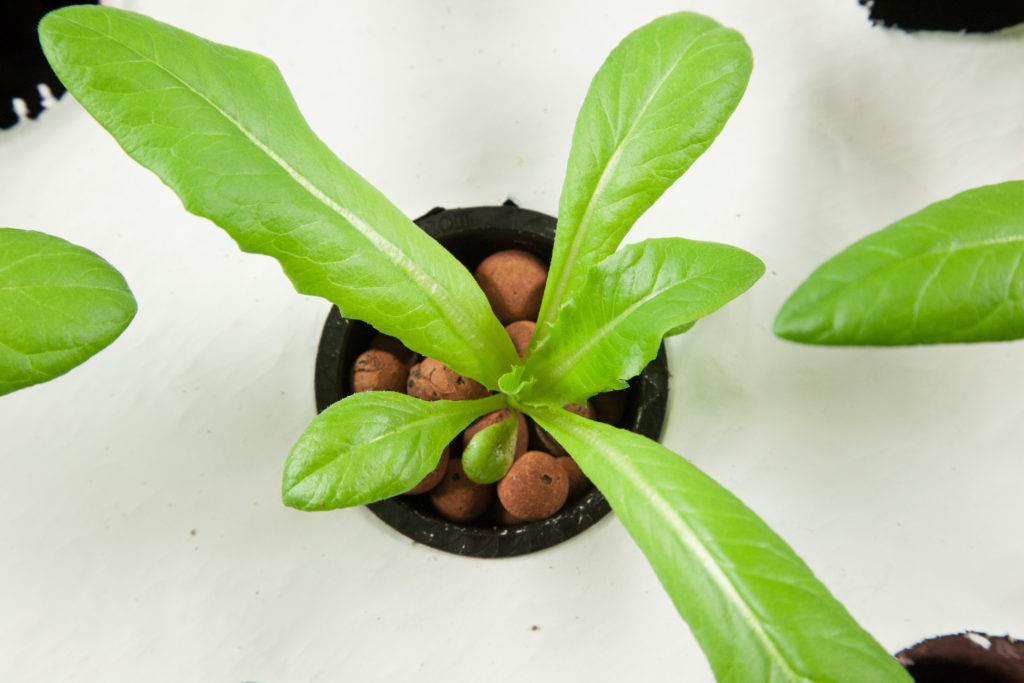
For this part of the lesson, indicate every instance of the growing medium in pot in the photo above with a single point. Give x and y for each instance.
(472, 235)
(218, 125)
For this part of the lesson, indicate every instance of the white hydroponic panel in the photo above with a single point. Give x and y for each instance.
(142, 533)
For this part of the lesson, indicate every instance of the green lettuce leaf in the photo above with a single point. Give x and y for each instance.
(755, 607)
(373, 445)
(490, 452)
(219, 126)
(59, 305)
(612, 327)
(656, 104)
(948, 273)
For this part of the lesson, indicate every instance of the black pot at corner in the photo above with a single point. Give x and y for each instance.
(471, 235)
(972, 656)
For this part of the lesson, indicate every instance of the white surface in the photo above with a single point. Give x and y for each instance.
(143, 537)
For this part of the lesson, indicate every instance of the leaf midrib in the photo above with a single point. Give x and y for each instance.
(346, 449)
(414, 424)
(664, 509)
(84, 288)
(444, 303)
(846, 284)
(606, 174)
(560, 369)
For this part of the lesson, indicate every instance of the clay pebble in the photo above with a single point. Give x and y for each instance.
(513, 281)
(434, 477)
(432, 380)
(459, 499)
(376, 370)
(499, 516)
(396, 348)
(578, 482)
(521, 332)
(535, 487)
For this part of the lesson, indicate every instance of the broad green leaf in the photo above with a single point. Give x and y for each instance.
(950, 273)
(491, 451)
(59, 305)
(755, 607)
(219, 126)
(612, 327)
(373, 445)
(655, 105)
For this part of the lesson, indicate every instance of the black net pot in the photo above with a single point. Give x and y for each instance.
(471, 235)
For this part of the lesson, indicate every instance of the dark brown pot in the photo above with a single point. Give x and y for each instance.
(965, 658)
(471, 235)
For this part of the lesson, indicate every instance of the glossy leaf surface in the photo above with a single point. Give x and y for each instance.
(655, 105)
(950, 273)
(491, 451)
(614, 325)
(59, 305)
(219, 126)
(755, 607)
(373, 445)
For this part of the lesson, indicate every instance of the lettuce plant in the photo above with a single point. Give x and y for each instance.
(949, 273)
(60, 304)
(219, 126)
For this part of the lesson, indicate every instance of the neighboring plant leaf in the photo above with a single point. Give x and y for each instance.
(220, 127)
(655, 105)
(491, 451)
(755, 607)
(612, 327)
(59, 305)
(950, 273)
(373, 445)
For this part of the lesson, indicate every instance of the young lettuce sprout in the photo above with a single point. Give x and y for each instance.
(60, 304)
(948, 273)
(219, 126)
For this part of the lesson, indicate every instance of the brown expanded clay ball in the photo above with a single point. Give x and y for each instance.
(535, 488)
(434, 477)
(521, 332)
(522, 430)
(548, 443)
(458, 498)
(432, 380)
(378, 371)
(513, 281)
(578, 482)
(499, 516)
(396, 348)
